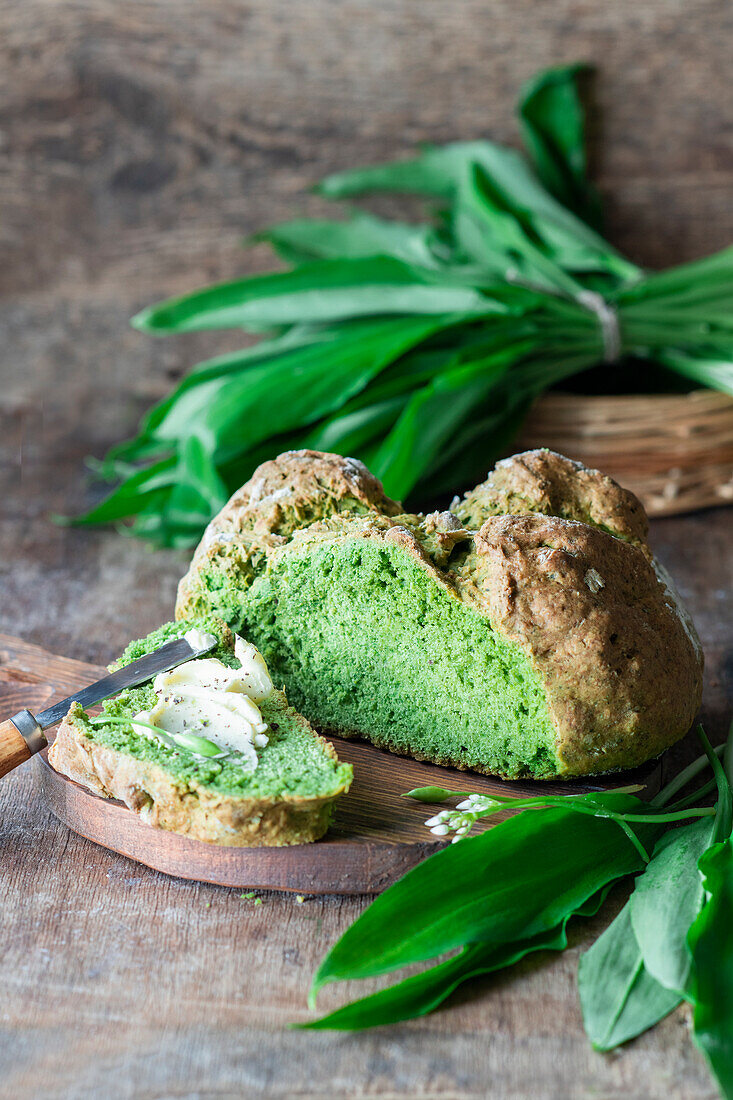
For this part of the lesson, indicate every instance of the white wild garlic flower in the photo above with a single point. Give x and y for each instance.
(461, 820)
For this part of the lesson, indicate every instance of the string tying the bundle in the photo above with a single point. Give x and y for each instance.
(607, 319)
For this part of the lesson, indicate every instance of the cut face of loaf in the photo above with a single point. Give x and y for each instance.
(524, 632)
(287, 799)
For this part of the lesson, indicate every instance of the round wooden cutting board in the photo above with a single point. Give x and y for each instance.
(376, 834)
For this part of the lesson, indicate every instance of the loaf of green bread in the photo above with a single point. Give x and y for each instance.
(527, 631)
(279, 789)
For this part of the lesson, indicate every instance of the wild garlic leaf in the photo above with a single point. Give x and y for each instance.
(362, 235)
(494, 231)
(239, 411)
(433, 414)
(497, 228)
(518, 879)
(183, 512)
(150, 483)
(422, 993)
(711, 981)
(693, 280)
(372, 413)
(350, 432)
(553, 127)
(183, 409)
(225, 415)
(202, 475)
(493, 424)
(618, 996)
(440, 172)
(666, 900)
(723, 822)
(323, 291)
(716, 375)
(235, 362)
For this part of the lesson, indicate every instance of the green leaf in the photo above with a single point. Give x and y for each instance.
(480, 441)
(185, 509)
(711, 946)
(626, 982)
(421, 994)
(424, 992)
(666, 900)
(300, 387)
(362, 235)
(724, 807)
(618, 996)
(510, 883)
(503, 261)
(349, 433)
(715, 375)
(433, 415)
(497, 234)
(235, 362)
(203, 475)
(317, 292)
(694, 279)
(553, 127)
(134, 494)
(434, 172)
(370, 415)
(440, 172)
(225, 417)
(315, 378)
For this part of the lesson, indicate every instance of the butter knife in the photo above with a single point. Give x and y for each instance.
(22, 735)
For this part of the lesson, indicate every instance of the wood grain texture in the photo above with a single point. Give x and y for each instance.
(138, 143)
(13, 749)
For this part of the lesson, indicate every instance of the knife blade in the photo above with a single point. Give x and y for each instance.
(22, 735)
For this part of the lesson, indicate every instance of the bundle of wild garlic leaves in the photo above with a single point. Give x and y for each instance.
(417, 347)
(496, 897)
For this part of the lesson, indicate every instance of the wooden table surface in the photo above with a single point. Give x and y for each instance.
(138, 143)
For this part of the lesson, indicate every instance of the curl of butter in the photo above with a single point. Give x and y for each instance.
(206, 698)
(199, 639)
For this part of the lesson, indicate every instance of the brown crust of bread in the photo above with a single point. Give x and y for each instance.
(192, 810)
(575, 589)
(283, 495)
(620, 673)
(547, 482)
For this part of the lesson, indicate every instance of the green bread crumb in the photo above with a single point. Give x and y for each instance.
(366, 642)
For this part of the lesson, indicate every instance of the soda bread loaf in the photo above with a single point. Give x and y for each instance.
(287, 799)
(524, 632)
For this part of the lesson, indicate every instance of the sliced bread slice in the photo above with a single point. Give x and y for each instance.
(287, 799)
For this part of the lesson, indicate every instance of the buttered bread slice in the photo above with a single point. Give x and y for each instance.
(211, 749)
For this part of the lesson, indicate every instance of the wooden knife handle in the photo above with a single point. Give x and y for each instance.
(14, 748)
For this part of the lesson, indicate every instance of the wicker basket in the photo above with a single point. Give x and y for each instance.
(675, 451)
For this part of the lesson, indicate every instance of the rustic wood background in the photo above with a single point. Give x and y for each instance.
(139, 142)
